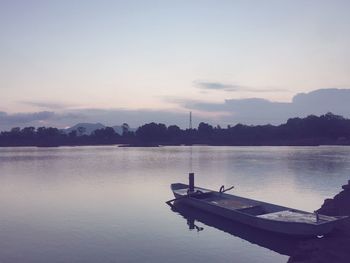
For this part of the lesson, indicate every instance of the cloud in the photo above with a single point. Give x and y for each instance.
(217, 86)
(48, 105)
(183, 102)
(22, 118)
(231, 111)
(203, 85)
(41, 118)
(262, 111)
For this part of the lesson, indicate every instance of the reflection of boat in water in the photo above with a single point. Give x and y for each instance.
(332, 248)
(262, 215)
(278, 243)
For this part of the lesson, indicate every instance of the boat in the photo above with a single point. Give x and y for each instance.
(258, 214)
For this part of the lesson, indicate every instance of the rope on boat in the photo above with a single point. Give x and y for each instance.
(198, 192)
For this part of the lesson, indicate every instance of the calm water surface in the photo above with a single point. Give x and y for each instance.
(106, 204)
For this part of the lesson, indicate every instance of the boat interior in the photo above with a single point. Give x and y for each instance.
(252, 207)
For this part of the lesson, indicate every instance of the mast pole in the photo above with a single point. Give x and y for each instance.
(190, 120)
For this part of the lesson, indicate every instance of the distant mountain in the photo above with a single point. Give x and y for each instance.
(118, 129)
(89, 128)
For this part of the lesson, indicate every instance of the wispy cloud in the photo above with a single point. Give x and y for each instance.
(204, 85)
(217, 86)
(182, 102)
(48, 105)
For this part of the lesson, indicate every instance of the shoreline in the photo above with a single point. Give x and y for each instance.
(165, 145)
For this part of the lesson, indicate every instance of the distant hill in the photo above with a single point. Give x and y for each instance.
(88, 128)
(118, 129)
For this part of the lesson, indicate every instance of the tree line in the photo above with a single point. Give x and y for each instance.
(313, 130)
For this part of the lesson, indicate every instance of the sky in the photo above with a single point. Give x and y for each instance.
(64, 62)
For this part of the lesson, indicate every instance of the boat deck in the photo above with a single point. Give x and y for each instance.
(231, 204)
(295, 216)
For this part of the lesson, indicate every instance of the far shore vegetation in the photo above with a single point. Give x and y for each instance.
(328, 129)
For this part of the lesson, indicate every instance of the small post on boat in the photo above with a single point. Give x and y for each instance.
(317, 216)
(191, 182)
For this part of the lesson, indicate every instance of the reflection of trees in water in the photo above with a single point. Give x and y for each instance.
(333, 248)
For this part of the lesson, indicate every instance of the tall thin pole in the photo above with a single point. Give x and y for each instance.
(190, 120)
(191, 161)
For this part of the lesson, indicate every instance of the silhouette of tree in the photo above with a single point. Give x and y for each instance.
(73, 134)
(152, 132)
(204, 129)
(16, 131)
(312, 130)
(107, 133)
(81, 131)
(174, 131)
(28, 132)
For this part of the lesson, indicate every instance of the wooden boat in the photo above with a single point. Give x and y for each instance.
(270, 217)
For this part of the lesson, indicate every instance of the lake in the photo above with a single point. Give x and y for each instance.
(107, 203)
